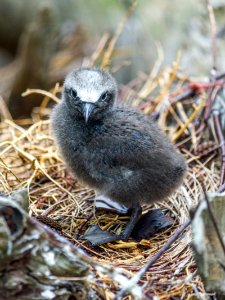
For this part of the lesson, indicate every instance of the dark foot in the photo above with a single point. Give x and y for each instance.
(96, 236)
(103, 202)
(138, 228)
(151, 223)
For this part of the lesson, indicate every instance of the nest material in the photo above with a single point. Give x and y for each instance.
(29, 158)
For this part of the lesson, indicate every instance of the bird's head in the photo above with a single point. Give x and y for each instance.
(89, 93)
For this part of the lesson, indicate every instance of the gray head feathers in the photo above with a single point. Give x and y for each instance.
(90, 84)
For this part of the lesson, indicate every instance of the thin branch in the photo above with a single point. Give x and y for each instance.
(221, 188)
(143, 270)
(108, 53)
(192, 89)
(4, 112)
(210, 101)
(213, 30)
(221, 142)
(98, 51)
(190, 93)
(220, 76)
(196, 111)
(51, 208)
(213, 218)
(42, 92)
(81, 227)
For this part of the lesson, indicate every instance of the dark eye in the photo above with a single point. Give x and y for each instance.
(73, 93)
(104, 96)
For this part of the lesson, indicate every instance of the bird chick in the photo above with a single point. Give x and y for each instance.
(115, 150)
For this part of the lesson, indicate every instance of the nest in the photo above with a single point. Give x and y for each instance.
(29, 159)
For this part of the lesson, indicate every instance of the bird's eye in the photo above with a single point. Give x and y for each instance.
(73, 93)
(104, 96)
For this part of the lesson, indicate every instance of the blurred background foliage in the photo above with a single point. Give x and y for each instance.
(35, 34)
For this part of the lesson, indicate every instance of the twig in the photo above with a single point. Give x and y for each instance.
(221, 188)
(213, 30)
(98, 51)
(108, 53)
(191, 118)
(211, 97)
(221, 142)
(80, 228)
(4, 112)
(192, 89)
(166, 88)
(149, 83)
(42, 92)
(40, 201)
(45, 101)
(185, 95)
(142, 272)
(211, 94)
(220, 76)
(213, 218)
(54, 206)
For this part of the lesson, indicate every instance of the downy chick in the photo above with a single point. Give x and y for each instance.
(115, 150)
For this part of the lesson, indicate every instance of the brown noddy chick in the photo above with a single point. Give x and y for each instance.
(115, 150)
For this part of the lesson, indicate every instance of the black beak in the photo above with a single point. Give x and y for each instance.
(87, 110)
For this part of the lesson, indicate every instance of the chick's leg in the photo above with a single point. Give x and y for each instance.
(97, 236)
(135, 216)
(103, 202)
